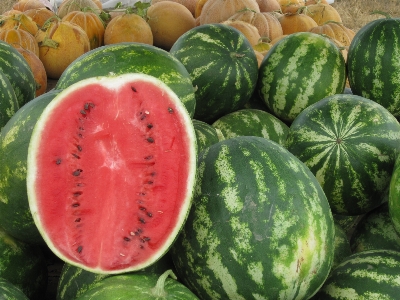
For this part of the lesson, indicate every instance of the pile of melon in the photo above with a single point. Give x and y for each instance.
(198, 149)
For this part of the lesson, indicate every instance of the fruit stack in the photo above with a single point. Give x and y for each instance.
(204, 149)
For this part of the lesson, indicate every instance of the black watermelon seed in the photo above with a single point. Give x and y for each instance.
(83, 112)
(141, 246)
(81, 128)
(133, 89)
(75, 155)
(75, 205)
(149, 125)
(79, 249)
(77, 194)
(79, 147)
(150, 140)
(58, 161)
(86, 106)
(142, 117)
(77, 219)
(149, 214)
(146, 239)
(91, 105)
(142, 220)
(142, 208)
(170, 110)
(127, 239)
(77, 172)
(148, 157)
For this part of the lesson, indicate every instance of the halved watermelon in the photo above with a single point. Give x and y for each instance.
(110, 173)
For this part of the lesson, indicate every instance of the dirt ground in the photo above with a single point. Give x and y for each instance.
(6, 5)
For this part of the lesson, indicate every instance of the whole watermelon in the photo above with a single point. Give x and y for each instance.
(350, 143)
(260, 226)
(373, 63)
(299, 70)
(222, 65)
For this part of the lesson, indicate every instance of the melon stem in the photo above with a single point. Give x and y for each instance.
(158, 290)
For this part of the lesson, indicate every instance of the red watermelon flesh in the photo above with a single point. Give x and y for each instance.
(111, 166)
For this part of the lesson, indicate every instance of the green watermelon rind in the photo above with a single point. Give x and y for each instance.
(23, 265)
(138, 286)
(206, 135)
(8, 100)
(19, 73)
(75, 281)
(252, 122)
(394, 196)
(370, 274)
(373, 63)
(9, 291)
(15, 215)
(375, 231)
(130, 57)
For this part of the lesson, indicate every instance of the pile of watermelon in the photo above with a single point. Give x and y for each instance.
(198, 174)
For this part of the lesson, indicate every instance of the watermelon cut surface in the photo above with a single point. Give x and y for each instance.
(110, 173)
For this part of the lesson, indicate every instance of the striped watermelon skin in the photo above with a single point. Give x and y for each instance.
(9, 291)
(350, 143)
(371, 274)
(117, 59)
(15, 216)
(139, 286)
(298, 71)
(260, 226)
(342, 246)
(18, 72)
(394, 196)
(75, 281)
(253, 122)
(8, 100)
(23, 265)
(348, 223)
(373, 63)
(223, 68)
(206, 135)
(375, 231)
